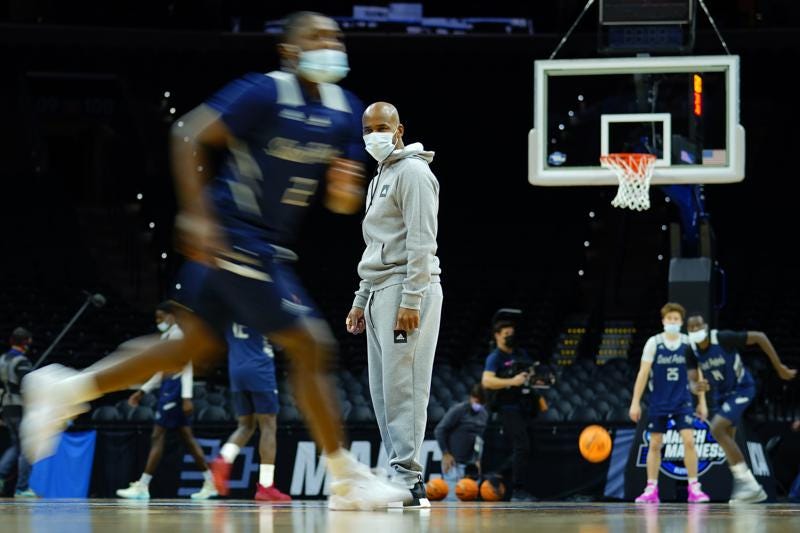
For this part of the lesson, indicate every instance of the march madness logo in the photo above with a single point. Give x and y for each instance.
(709, 452)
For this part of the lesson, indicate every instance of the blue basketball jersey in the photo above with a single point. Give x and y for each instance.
(170, 389)
(251, 360)
(722, 368)
(285, 141)
(669, 382)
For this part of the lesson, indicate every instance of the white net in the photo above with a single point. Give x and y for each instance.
(633, 172)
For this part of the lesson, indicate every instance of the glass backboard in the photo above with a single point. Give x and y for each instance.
(684, 110)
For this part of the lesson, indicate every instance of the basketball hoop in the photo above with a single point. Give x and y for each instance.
(634, 172)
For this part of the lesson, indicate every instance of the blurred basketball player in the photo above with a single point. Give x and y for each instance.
(172, 413)
(664, 363)
(732, 391)
(251, 370)
(282, 136)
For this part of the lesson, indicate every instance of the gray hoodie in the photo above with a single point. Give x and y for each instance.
(400, 227)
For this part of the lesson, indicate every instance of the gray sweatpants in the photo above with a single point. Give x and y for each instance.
(400, 376)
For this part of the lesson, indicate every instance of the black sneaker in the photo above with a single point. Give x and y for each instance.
(419, 498)
(522, 495)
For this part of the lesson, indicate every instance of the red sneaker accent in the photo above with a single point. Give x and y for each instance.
(221, 473)
(270, 494)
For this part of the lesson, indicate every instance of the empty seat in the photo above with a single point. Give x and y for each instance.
(199, 404)
(124, 408)
(215, 398)
(619, 414)
(213, 413)
(289, 415)
(199, 390)
(142, 413)
(435, 413)
(362, 414)
(551, 415)
(107, 413)
(149, 400)
(585, 414)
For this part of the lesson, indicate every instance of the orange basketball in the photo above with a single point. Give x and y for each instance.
(595, 443)
(492, 491)
(467, 489)
(437, 489)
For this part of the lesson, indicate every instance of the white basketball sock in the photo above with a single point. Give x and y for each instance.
(229, 452)
(266, 474)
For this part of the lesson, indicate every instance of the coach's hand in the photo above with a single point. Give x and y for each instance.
(135, 398)
(635, 412)
(355, 322)
(188, 406)
(407, 319)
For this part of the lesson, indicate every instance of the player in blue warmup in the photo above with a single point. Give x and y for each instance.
(280, 139)
(251, 370)
(173, 412)
(664, 364)
(732, 391)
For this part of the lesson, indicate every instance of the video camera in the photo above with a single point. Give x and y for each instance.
(540, 376)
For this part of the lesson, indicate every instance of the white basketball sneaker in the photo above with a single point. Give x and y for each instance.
(49, 403)
(207, 492)
(357, 488)
(135, 491)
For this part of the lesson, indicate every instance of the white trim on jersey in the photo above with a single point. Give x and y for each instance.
(333, 97)
(289, 92)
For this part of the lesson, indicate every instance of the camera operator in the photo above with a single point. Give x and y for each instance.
(14, 365)
(507, 373)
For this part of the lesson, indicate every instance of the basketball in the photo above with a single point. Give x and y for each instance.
(467, 489)
(437, 489)
(492, 490)
(595, 443)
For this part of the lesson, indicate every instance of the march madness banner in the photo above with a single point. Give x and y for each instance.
(713, 469)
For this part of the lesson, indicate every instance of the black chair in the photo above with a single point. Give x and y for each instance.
(551, 415)
(359, 401)
(346, 408)
(199, 404)
(213, 413)
(565, 408)
(199, 390)
(215, 398)
(353, 387)
(289, 415)
(435, 413)
(149, 400)
(603, 408)
(585, 414)
(107, 413)
(124, 408)
(142, 413)
(619, 414)
(362, 414)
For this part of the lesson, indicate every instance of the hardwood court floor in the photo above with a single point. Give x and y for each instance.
(229, 516)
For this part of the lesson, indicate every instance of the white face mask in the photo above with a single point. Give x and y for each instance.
(698, 336)
(323, 66)
(380, 144)
(672, 328)
(162, 326)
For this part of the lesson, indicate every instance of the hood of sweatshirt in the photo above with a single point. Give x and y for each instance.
(412, 150)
